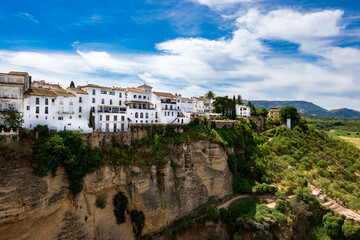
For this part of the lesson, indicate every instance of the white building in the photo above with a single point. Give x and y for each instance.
(187, 105)
(168, 107)
(242, 111)
(13, 85)
(139, 106)
(202, 106)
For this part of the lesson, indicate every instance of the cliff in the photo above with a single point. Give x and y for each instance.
(43, 208)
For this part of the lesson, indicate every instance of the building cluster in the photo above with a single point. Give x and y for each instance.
(92, 107)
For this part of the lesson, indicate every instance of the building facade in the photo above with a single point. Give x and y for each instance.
(242, 111)
(274, 113)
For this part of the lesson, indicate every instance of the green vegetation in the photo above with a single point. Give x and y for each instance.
(138, 218)
(120, 201)
(12, 118)
(65, 149)
(100, 201)
(327, 124)
(289, 112)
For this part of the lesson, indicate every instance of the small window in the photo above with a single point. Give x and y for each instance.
(46, 110)
(115, 118)
(79, 116)
(60, 118)
(70, 117)
(53, 100)
(93, 91)
(110, 101)
(136, 115)
(37, 101)
(112, 93)
(122, 118)
(37, 109)
(102, 101)
(46, 101)
(120, 102)
(37, 116)
(141, 115)
(144, 97)
(107, 117)
(146, 115)
(93, 100)
(120, 94)
(93, 109)
(28, 108)
(103, 92)
(134, 96)
(80, 109)
(80, 99)
(100, 117)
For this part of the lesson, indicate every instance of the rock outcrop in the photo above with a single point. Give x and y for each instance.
(43, 208)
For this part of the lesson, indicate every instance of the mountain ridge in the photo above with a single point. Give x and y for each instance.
(309, 108)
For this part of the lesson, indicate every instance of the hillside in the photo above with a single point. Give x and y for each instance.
(309, 108)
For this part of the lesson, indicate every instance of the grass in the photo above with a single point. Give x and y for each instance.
(350, 137)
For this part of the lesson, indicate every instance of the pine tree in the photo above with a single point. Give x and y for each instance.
(72, 84)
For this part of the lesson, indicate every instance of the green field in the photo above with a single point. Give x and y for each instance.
(351, 137)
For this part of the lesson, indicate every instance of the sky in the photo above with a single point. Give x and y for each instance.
(261, 49)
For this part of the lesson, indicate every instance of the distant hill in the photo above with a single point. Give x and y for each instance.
(309, 108)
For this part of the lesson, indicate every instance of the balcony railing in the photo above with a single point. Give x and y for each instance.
(142, 108)
(65, 112)
(169, 109)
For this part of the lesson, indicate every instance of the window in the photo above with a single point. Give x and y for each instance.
(28, 108)
(110, 101)
(107, 117)
(136, 115)
(115, 118)
(141, 115)
(144, 97)
(45, 117)
(53, 100)
(122, 118)
(70, 118)
(71, 110)
(146, 115)
(93, 109)
(119, 94)
(165, 113)
(71, 103)
(115, 127)
(61, 109)
(60, 118)
(80, 109)
(93, 100)
(37, 116)
(172, 113)
(37, 109)
(79, 116)
(46, 101)
(120, 102)
(134, 96)
(61, 102)
(37, 101)
(46, 110)
(112, 93)
(102, 101)
(80, 99)
(100, 117)
(103, 92)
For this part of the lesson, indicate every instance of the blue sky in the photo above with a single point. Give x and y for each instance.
(276, 50)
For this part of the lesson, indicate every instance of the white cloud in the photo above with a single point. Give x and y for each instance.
(27, 16)
(239, 64)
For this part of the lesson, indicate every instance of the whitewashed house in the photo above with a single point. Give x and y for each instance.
(168, 107)
(139, 106)
(202, 106)
(187, 105)
(242, 111)
(12, 88)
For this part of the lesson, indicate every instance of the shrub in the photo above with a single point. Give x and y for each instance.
(100, 201)
(351, 230)
(138, 218)
(120, 201)
(264, 188)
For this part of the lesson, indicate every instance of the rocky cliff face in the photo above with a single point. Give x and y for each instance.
(43, 208)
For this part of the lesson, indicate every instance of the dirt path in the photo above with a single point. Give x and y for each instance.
(268, 197)
(333, 205)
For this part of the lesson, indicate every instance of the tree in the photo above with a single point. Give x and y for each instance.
(210, 95)
(252, 108)
(239, 100)
(289, 112)
(72, 84)
(12, 118)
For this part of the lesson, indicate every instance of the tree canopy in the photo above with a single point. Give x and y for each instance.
(289, 112)
(12, 118)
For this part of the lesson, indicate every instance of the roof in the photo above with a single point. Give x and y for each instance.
(201, 99)
(144, 86)
(165, 94)
(43, 92)
(76, 90)
(62, 92)
(118, 89)
(274, 108)
(107, 89)
(186, 99)
(45, 84)
(18, 73)
(90, 85)
(135, 90)
(243, 106)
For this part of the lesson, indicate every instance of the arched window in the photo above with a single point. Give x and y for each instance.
(141, 115)
(166, 107)
(136, 115)
(146, 115)
(170, 107)
(172, 113)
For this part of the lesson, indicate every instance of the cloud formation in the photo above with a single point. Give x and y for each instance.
(239, 64)
(27, 16)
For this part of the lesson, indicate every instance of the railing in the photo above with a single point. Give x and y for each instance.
(141, 108)
(169, 109)
(110, 111)
(65, 112)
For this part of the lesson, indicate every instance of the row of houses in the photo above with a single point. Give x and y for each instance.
(93, 107)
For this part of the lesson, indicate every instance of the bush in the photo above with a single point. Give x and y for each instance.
(351, 230)
(120, 201)
(264, 188)
(100, 201)
(138, 218)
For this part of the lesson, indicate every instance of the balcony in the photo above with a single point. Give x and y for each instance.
(142, 108)
(65, 112)
(168, 101)
(169, 109)
(112, 110)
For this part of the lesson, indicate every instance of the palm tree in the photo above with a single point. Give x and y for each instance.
(210, 95)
